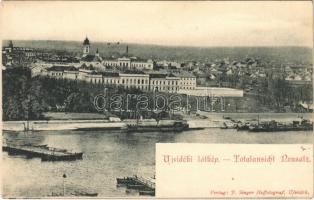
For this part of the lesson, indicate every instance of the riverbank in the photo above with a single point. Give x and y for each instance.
(195, 121)
(58, 125)
(280, 117)
(48, 125)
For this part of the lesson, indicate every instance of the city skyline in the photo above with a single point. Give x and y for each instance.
(167, 23)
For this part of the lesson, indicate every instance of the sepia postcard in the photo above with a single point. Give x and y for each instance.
(152, 99)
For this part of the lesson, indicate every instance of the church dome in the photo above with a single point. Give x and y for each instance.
(86, 41)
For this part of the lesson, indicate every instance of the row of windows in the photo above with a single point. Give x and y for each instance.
(188, 88)
(188, 78)
(112, 64)
(131, 81)
(56, 73)
(143, 87)
(171, 89)
(138, 65)
(189, 83)
(124, 64)
(115, 64)
(139, 87)
(134, 81)
(110, 81)
(165, 88)
(157, 88)
(95, 81)
(113, 81)
(164, 82)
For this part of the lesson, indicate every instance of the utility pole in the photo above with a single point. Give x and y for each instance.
(64, 177)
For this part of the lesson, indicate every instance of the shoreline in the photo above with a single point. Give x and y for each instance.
(213, 120)
(58, 125)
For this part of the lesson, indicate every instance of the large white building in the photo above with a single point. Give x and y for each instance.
(164, 83)
(155, 82)
(170, 83)
(140, 81)
(129, 63)
(62, 72)
(187, 80)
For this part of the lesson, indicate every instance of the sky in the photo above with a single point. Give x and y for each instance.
(201, 23)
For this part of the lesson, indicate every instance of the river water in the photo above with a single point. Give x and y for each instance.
(108, 155)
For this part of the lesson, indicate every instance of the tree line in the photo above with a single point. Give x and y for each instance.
(26, 97)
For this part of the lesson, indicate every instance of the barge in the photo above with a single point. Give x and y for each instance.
(142, 185)
(273, 126)
(42, 151)
(84, 194)
(228, 125)
(161, 126)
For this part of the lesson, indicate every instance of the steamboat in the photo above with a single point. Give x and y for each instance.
(162, 126)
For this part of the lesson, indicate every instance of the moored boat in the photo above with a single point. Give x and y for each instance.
(228, 125)
(84, 194)
(172, 126)
(243, 126)
(273, 126)
(142, 185)
(147, 192)
(42, 151)
(125, 181)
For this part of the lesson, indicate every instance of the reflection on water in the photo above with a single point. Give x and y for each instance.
(108, 155)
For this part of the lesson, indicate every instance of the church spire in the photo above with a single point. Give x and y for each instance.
(86, 41)
(86, 46)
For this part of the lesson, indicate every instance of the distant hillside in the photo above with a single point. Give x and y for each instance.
(290, 54)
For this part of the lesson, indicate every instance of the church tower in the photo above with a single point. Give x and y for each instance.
(86, 47)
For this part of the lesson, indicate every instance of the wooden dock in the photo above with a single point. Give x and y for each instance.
(42, 151)
(142, 185)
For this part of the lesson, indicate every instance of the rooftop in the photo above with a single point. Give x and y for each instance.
(62, 68)
(110, 74)
(184, 75)
(84, 66)
(157, 75)
(133, 72)
(91, 58)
